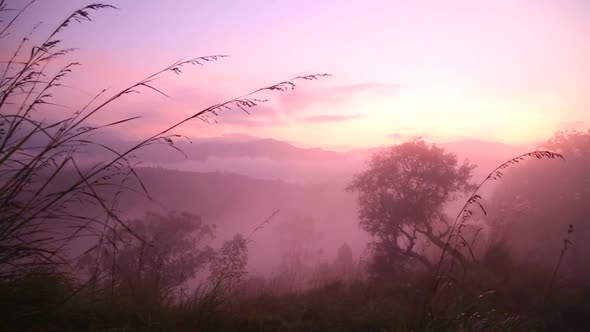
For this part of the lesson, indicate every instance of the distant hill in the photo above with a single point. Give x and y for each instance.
(202, 150)
(275, 159)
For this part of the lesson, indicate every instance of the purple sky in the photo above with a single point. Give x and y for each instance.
(509, 71)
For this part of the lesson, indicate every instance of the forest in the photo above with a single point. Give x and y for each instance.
(171, 231)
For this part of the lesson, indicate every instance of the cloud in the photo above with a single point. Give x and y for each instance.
(371, 87)
(326, 118)
(279, 111)
(281, 107)
(396, 136)
(301, 99)
(438, 139)
(572, 125)
(406, 137)
(259, 116)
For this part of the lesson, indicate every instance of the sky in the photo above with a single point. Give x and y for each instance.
(507, 71)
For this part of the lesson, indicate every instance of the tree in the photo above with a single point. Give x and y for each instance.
(227, 270)
(344, 258)
(344, 263)
(532, 209)
(164, 252)
(402, 196)
(298, 237)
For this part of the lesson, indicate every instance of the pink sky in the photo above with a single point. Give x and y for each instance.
(509, 71)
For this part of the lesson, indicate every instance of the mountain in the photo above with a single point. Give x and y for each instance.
(275, 159)
(205, 149)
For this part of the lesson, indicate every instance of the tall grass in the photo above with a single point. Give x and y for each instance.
(566, 244)
(37, 221)
(473, 203)
(455, 239)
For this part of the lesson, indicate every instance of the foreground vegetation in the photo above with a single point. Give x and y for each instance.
(487, 301)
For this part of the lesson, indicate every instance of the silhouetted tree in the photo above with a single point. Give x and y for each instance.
(344, 263)
(401, 196)
(298, 237)
(344, 257)
(172, 250)
(532, 209)
(228, 268)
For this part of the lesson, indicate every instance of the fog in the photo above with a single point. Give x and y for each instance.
(238, 184)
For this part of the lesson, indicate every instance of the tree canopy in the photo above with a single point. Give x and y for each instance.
(162, 253)
(401, 197)
(535, 204)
